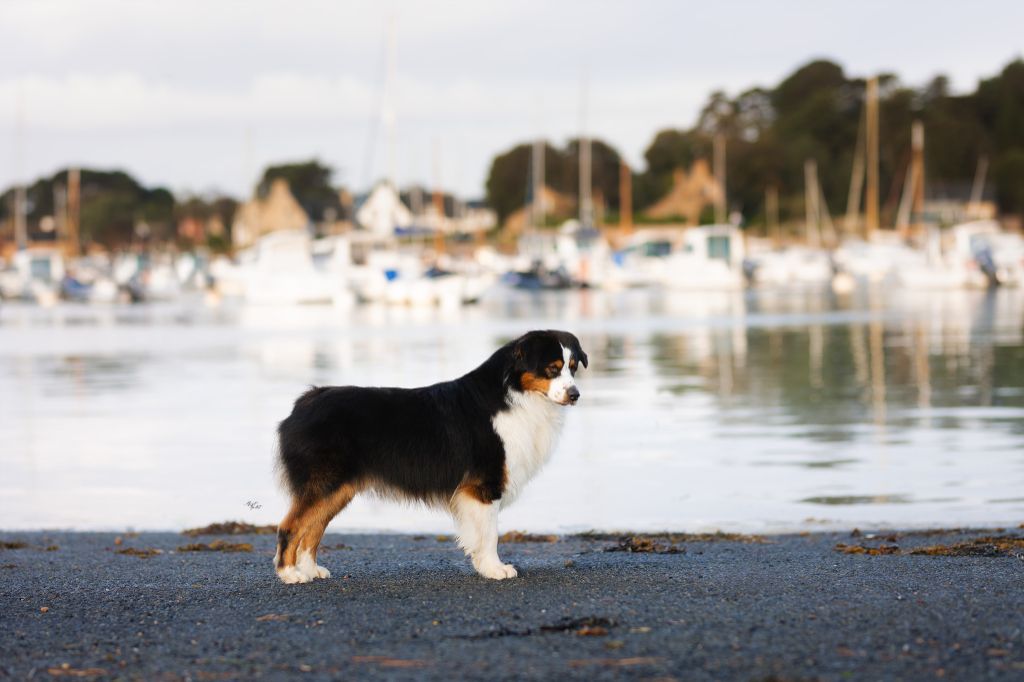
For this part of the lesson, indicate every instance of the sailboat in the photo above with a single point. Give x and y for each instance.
(809, 265)
(878, 256)
(408, 276)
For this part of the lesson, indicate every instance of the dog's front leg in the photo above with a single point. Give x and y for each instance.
(478, 535)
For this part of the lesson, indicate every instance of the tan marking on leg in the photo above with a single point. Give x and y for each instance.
(474, 488)
(289, 525)
(319, 515)
(301, 530)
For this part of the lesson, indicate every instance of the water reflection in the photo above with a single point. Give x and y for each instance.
(743, 411)
(860, 499)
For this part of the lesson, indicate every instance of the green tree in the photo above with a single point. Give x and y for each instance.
(206, 208)
(112, 205)
(671, 149)
(1008, 174)
(817, 112)
(509, 181)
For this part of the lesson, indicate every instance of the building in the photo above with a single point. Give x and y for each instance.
(554, 204)
(277, 211)
(690, 194)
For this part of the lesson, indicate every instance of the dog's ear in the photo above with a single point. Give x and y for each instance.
(520, 350)
(578, 352)
(575, 347)
(570, 341)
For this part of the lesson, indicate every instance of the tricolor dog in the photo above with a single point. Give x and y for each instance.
(468, 445)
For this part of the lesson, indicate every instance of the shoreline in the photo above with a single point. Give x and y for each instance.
(821, 527)
(795, 606)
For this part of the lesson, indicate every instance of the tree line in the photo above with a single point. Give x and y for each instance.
(117, 211)
(814, 113)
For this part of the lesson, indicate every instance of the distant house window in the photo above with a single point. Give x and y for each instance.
(657, 249)
(40, 269)
(979, 243)
(718, 248)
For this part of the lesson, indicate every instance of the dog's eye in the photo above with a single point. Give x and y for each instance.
(552, 371)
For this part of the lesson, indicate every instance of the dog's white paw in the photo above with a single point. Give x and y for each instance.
(310, 568)
(495, 570)
(290, 575)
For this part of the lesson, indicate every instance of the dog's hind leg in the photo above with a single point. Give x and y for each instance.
(316, 523)
(476, 517)
(299, 535)
(287, 543)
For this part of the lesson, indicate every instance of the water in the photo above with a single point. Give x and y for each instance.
(751, 412)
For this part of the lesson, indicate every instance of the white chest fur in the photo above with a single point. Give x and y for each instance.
(529, 430)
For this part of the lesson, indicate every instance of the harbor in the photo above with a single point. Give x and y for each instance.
(752, 411)
(298, 239)
(823, 372)
(597, 341)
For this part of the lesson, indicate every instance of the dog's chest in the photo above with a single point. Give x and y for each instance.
(529, 431)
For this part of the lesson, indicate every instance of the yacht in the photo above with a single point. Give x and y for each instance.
(704, 258)
(282, 269)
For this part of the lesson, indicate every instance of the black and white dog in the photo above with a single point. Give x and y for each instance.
(469, 445)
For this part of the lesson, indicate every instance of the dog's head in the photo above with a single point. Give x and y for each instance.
(545, 362)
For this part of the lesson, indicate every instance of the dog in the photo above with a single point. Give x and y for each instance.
(469, 445)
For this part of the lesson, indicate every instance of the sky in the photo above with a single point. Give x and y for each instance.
(200, 96)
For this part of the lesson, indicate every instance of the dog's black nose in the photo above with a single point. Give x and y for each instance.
(573, 393)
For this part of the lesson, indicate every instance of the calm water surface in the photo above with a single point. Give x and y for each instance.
(756, 412)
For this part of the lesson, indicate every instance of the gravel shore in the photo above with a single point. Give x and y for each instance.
(796, 607)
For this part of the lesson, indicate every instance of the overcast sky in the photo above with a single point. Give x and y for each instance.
(201, 95)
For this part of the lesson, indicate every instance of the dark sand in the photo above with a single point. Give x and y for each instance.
(401, 607)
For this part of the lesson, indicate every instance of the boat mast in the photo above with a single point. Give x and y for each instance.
(811, 208)
(917, 162)
(625, 197)
(978, 188)
(248, 175)
(20, 227)
(388, 112)
(720, 202)
(586, 208)
(537, 200)
(60, 215)
(72, 206)
(912, 202)
(20, 204)
(438, 201)
(871, 130)
(850, 223)
(771, 211)
(826, 229)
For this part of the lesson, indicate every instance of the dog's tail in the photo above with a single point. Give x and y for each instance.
(284, 460)
(307, 398)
